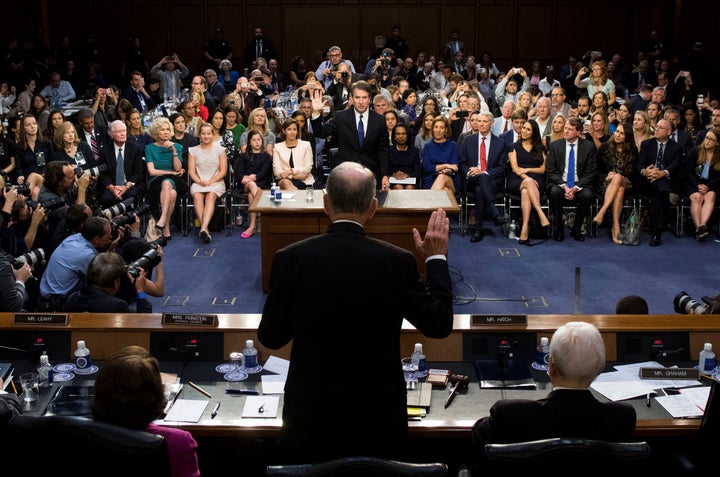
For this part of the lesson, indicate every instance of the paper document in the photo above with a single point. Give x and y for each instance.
(273, 384)
(277, 365)
(186, 410)
(698, 395)
(679, 405)
(409, 180)
(261, 406)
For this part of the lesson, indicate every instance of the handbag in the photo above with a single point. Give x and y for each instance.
(630, 230)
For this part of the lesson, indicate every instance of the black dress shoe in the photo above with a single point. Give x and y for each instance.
(523, 242)
(477, 236)
(559, 236)
(546, 231)
(577, 235)
(655, 240)
(499, 220)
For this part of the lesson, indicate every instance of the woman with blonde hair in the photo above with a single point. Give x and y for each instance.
(641, 127)
(599, 129)
(556, 130)
(207, 168)
(597, 80)
(258, 121)
(68, 146)
(197, 98)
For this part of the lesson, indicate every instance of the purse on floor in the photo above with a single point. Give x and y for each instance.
(630, 230)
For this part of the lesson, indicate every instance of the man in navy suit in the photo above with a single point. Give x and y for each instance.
(113, 189)
(659, 163)
(136, 93)
(376, 285)
(518, 118)
(349, 125)
(88, 132)
(576, 154)
(484, 164)
(681, 137)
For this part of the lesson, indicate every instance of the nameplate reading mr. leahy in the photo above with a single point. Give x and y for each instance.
(669, 373)
(189, 319)
(494, 320)
(40, 319)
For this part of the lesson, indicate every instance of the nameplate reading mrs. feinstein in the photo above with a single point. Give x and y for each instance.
(189, 319)
(494, 320)
(669, 373)
(40, 319)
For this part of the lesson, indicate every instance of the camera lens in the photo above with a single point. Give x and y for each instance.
(684, 304)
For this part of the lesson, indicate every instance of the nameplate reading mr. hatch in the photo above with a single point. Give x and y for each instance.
(494, 320)
(40, 319)
(193, 319)
(669, 373)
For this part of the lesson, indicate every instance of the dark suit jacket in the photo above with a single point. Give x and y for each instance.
(135, 169)
(585, 163)
(217, 91)
(672, 158)
(95, 300)
(497, 160)
(684, 141)
(101, 136)
(131, 95)
(368, 287)
(563, 413)
(509, 137)
(691, 178)
(373, 152)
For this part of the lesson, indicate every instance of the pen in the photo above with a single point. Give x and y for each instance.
(215, 411)
(261, 409)
(647, 399)
(242, 391)
(200, 389)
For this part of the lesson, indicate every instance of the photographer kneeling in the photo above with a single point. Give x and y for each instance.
(104, 275)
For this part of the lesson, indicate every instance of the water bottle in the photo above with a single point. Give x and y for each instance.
(45, 371)
(273, 189)
(542, 357)
(309, 193)
(513, 228)
(419, 356)
(82, 356)
(706, 363)
(250, 355)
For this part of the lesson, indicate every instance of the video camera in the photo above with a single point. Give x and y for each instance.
(33, 257)
(685, 304)
(95, 171)
(118, 209)
(148, 260)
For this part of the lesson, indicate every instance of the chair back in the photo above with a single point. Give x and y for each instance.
(567, 455)
(359, 467)
(710, 425)
(104, 449)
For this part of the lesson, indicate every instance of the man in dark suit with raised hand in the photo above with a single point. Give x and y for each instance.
(133, 182)
(571, 171)
(484, 165)
(369, 287)
(360, 134)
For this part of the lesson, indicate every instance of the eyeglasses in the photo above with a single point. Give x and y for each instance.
(557, 94)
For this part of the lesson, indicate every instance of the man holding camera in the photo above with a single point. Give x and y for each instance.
(250, 97)
(126, 175)
(104, 274)
(61, 188)
(326, 69)
(12, 283)
(340, 87)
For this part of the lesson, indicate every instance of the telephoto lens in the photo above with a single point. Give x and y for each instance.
(119, 208)
(52, 204)
(22, 189)
(94, 171)
(158, 242)
(148, 260)
(33, 257)
(686, 305)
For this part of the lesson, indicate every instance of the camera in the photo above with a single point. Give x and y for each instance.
(158, 242)
(52, 204)
(147, 261)
(127, 218)
(22, 189)
(33, 257)
(686, 305)
(95, 171)
(118, 209)
(344, 75)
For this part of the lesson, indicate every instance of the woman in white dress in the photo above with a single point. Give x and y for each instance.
(207, 166)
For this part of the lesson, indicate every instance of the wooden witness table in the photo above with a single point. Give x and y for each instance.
(295, 219)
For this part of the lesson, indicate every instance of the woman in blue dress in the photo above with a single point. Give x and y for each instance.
(403, 159)
(440, 159)
(527, 162)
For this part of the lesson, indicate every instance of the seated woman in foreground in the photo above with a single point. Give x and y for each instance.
(254, 170)
(207, 167)
(440, 159)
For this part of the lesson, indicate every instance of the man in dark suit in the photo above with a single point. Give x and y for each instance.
(659, 163)
(484, 165)
(136, 93)
(214, 87)
(681, 137)
(339, 90)
(347, 127)
(133, 182)
(518, 118)
(571, 172)
(370, 286)
(258, 47)
(93, 135)
(577, 357)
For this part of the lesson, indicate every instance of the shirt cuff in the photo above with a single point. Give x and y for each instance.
(436, 257)
(18, 282)
(141, 296)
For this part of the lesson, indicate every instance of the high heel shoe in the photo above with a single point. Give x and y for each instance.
(615, 238)
(523, 242)
(546, 231)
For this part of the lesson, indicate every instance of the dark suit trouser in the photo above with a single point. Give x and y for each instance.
(659, 192)
(583, 199)
(107, 199)
(484, 187)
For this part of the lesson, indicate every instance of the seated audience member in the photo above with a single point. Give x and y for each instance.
(93, 135)
(440, 159)
(702, 181)
(207, 168)
(577, 357)
(32, 152)
(182, 136)
(68, 147)
(403, 160)
(126, 176)
(136, 93)
(631, 305)
(258, 121)
(293, 159)
(136, 131)
(102, 282)
(59, 90)
(254, 172)
(129, 392)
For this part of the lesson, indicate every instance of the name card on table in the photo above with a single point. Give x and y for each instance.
(194, 319)
(40, 319)
(670, 373)
(494, 320)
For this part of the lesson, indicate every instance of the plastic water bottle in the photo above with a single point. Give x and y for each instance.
(45, 371)
(273, 189)
(513, 228)
(82, 355)
(542, 356)
(250, 355)
(419, 356)
(706, 363)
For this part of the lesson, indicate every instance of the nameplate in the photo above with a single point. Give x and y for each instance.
(193, 319)
(40, 319)
(494, 320)
(670, 373)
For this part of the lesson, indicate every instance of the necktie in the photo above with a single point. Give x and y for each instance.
(675, 134)
(141, 99)
(94, 146)
(641, 82)
(483, 155)
(120, 169)
(506, 125)
(361, 131)
(258, 51)
(661, 151)
(571, 167)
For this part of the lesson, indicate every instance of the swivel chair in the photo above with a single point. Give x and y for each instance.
(359, 467)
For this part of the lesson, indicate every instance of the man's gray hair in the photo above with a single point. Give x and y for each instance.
(351, 188)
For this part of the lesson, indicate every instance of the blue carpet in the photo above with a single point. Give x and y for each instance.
(493, 276)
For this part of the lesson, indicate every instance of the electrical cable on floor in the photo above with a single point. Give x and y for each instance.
(457, 278)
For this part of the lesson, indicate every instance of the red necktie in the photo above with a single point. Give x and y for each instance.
(94, 146)
(483, 155)
(506, 125)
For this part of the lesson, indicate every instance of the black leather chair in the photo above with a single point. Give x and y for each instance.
(566, 456)
(42, 445)
(359, 467)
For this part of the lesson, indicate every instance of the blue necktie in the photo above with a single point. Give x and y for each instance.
(571, 167)
(659, 162)
(120, 169)
(361, 131)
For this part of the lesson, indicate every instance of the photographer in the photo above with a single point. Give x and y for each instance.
(384, 67)
(149, 256)
(104, 274)
(12, 283)
(686, 305)
(61, 185)
(23, 228)
(340, 87)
